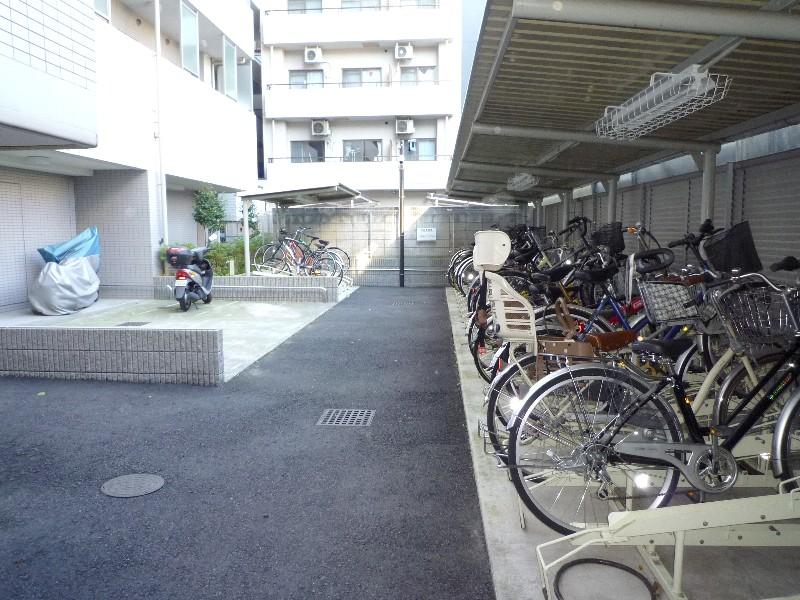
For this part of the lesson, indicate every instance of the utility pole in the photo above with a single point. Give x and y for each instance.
(400, 218)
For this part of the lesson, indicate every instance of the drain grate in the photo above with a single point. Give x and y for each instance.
(347, 417)
(130, 486)
(407, 303)
(133, 323)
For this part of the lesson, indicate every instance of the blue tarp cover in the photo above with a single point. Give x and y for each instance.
(85, 244)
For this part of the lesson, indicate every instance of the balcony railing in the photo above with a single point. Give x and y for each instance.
(285, 160)
(383, 7)
(349, 85)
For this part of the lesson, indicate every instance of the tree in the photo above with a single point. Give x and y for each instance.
(208, 210)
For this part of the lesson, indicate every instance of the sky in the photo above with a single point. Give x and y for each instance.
(473, 18)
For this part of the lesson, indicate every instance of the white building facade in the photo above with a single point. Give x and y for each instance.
(350, 84)
(96, 131)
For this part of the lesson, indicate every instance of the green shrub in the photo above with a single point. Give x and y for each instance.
(220, 253)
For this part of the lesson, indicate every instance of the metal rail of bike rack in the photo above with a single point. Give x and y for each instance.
(734, 523)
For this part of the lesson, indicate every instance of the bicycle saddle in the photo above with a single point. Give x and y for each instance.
(613, 340)
(672, 349)
(597, 275)
(552, 275)
(656, 259)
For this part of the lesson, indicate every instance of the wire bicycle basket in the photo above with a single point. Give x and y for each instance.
(668, 303)
(610, 236)
(732, 249)
(762, 315)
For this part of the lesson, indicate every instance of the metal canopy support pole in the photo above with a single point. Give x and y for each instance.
(664, 16)
(709, 180)
(161, 185)
(402, 224)
(566, 201)
(246, 202)
(540, 214)
(612, 200)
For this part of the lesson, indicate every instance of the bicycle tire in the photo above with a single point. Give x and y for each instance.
(543, 418)
(344, 257)
(787, 447)
(273, 259)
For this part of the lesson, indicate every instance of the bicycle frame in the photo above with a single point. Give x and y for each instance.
(734, 435)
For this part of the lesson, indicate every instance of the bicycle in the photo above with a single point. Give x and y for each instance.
(592, 439)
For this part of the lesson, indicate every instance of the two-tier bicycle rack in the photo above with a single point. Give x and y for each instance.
(727, 523)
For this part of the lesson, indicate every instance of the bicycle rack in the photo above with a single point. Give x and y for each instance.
(733, 523)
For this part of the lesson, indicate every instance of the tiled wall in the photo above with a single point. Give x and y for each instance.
(118, 203)
(53, 36)
(120, 354)
(38, 209)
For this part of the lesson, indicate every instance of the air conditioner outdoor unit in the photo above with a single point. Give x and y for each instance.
(313, 54)
(403, 51)
(320, 127)
(403, 126)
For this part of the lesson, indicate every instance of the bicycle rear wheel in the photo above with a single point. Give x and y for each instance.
(567, 476)
(343, 256)
(272, 259)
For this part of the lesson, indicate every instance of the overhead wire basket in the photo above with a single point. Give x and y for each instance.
(668, 98)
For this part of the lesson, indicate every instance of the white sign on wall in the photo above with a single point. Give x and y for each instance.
(426, 234)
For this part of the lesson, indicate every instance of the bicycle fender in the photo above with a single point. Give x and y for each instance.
(781, 429)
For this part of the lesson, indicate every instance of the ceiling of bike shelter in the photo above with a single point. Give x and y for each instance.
(559, 76)
(330, 195)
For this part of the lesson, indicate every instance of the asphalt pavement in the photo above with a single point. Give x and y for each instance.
(259, 501)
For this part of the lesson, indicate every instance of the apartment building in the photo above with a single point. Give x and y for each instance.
(349, 85)
(96, 131)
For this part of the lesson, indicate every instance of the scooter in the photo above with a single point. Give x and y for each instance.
(194, 277)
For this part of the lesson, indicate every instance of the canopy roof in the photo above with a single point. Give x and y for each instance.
(545, 71)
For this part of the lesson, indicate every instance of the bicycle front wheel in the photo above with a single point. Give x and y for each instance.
(565, 472)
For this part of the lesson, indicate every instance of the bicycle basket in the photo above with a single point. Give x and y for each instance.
(610, 235)
(668, 303)
(541, 239)
(760, 315)
(733, 249)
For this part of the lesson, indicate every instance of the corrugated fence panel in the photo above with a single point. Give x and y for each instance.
(668, 210)
(771, 203)
(629, 206)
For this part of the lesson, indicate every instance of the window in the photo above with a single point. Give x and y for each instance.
(417, 75)
(101, 7)
(361, 78)
(229, 67)
(420, 149)
(361, 4)
(300, 80)
(305, 6)
(362, 150)
(310, 151)
(190, 40)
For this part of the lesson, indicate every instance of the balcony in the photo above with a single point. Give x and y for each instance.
(333, 100)
(206, 136)
(282, 174)
(287, 29)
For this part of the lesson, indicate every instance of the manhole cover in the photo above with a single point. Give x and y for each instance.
(347, 417)
(133, 323)
(130, 486)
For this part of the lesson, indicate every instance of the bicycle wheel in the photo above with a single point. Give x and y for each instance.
(730, 408)
(343, 256)
(567, 476)
(788, 446)
(338, 267)
(326, 266)
(273, 259)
